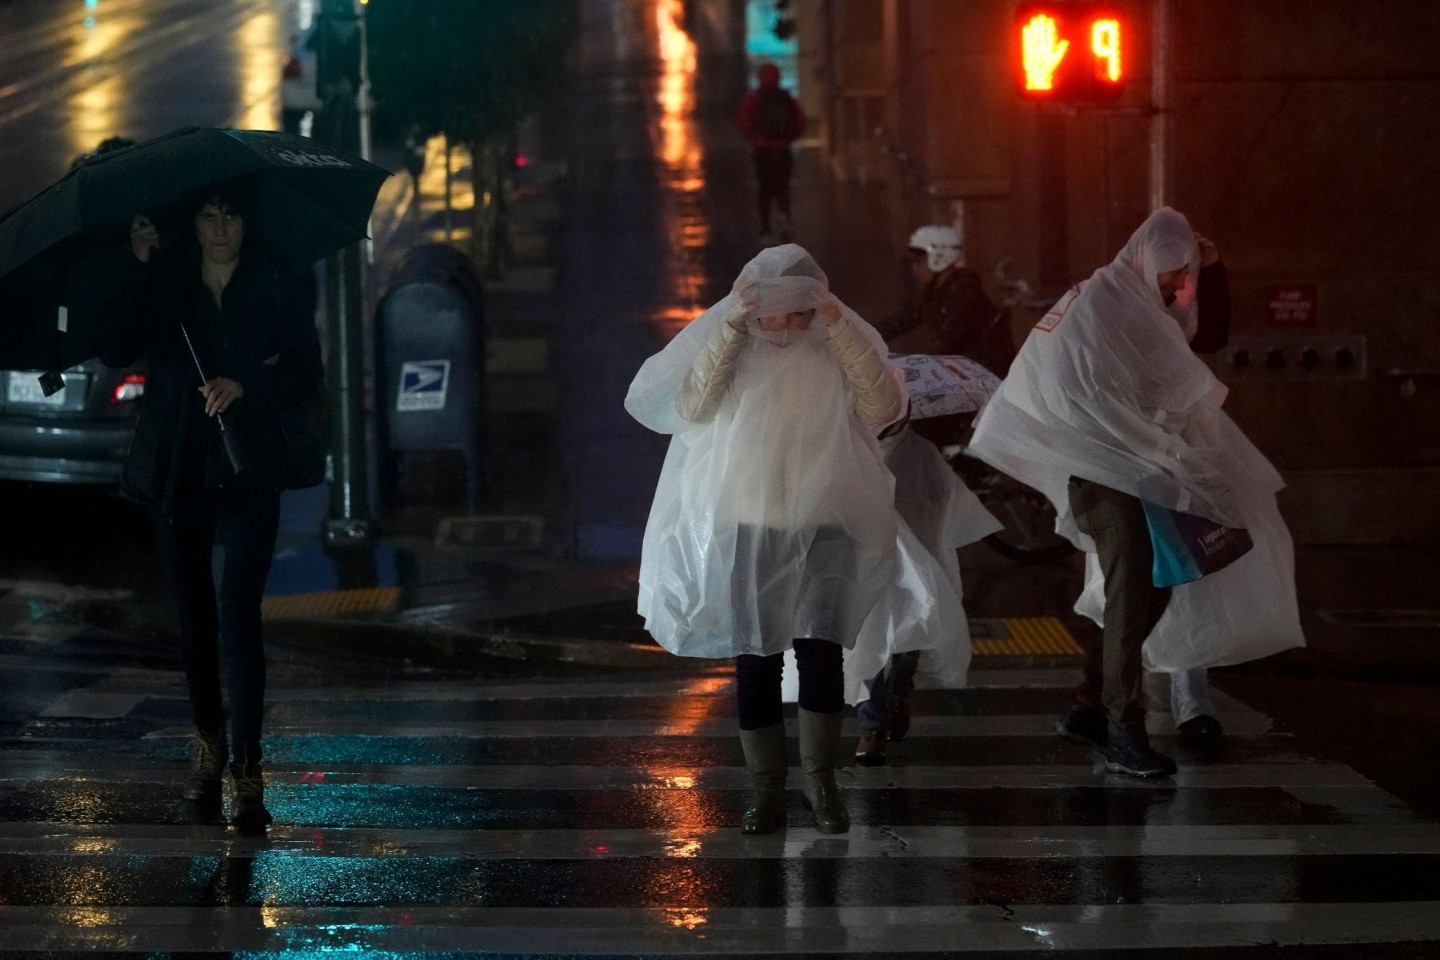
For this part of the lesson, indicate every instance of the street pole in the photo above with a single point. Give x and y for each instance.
(1160, 105)
(349, 524)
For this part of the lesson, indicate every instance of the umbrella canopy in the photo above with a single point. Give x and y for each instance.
(944, 385)
(59, 245)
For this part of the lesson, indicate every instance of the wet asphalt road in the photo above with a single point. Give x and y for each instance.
(74, 74)
(498, 808)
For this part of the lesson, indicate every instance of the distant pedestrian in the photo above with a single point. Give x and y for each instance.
(1106, 406)
(946, 310)
(252, 324)
(772, 120)
(924, 628)
(104, 147)
(773, 525)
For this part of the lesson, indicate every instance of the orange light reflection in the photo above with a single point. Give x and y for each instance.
(682, 155)
(260, 41)
(686, 812)
(94, 113)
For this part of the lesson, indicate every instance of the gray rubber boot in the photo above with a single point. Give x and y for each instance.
(819, 741)
(767, 762)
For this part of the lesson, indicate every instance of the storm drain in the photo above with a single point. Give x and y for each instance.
(1022, 637)
(330, 604)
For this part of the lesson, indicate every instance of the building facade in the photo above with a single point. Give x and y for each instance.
(1304, 139)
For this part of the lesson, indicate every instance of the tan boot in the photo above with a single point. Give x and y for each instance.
(870, 749)
(768, 763)
(203, 783)
(250, 812)
(819, 740)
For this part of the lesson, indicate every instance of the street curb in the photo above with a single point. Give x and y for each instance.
(389, 640)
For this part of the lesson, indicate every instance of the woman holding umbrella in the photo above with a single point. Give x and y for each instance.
(230, 334)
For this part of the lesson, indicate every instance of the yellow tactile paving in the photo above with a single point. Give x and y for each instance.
(331, 603)
(1028, 636)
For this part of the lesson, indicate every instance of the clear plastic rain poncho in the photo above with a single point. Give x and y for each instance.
(775, 518)
(1106, 388)
(924, 607)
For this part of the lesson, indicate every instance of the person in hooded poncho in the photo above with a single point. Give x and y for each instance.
(773, 526)
(1106, 405)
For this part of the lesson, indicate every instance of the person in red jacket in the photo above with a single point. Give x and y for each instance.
(771, 119)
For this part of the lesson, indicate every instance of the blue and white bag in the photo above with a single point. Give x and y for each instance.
(1188, 546)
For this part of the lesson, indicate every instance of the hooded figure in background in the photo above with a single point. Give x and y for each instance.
(773, 525)
(1107, 405)
(771, 120)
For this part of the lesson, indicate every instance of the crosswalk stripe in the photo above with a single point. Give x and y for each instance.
(696, 930)
(915, 842)
(1015, 725)
(687, 777)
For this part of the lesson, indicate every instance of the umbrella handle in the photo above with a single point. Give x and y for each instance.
(239, 462)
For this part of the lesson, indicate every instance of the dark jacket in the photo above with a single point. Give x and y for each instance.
(262, 335)
(954, 316)
(748, 118)
(1212, 309)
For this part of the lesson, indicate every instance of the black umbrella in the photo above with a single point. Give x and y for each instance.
(59, 247)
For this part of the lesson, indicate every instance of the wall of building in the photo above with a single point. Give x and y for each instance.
(1306, 138)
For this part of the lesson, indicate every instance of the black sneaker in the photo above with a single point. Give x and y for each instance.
(1081, 724)
(1201, 729)
(1130, 754)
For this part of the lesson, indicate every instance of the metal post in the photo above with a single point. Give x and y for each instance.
(349, 523)
(1054, 199)
(1160, 105)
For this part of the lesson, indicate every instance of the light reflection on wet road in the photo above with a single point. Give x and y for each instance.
(584, 843)
(73, 74)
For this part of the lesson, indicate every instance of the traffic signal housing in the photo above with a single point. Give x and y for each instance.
(337, 40)
(1070, 52)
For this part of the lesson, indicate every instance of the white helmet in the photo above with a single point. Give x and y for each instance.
(942, 245)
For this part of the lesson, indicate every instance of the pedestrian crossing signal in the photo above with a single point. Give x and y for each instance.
(1070, 52)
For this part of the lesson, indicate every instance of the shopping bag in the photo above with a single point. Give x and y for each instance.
(1187, 547)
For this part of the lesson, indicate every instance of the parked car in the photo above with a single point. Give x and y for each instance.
(78, 435)
(298, 93)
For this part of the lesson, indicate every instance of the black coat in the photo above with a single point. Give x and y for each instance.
(261, 335)
(954, 316)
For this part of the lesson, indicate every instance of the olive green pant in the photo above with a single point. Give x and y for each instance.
(1133, 604)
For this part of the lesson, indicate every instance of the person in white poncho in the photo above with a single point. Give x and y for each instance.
(1106, 405)
(773, 525)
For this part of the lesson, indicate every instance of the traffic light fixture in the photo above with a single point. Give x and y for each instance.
(1070, 52)
(337, 54)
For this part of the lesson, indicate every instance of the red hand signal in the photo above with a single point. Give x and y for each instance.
(1043, 50)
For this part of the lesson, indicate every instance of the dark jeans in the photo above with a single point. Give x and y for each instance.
(1133, 604)
(244, 524)
(757, 682)
(896, 680)
(772, 169)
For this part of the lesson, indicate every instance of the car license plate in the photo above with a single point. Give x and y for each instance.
(25, 388)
